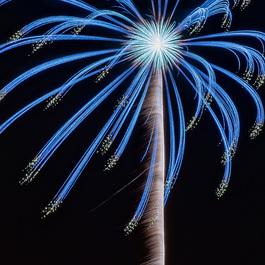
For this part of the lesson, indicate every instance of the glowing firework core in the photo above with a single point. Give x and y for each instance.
(158, 45)
(155, 42)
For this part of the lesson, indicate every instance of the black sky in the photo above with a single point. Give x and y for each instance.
(199, 228)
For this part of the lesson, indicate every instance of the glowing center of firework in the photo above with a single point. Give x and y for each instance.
(155, 43)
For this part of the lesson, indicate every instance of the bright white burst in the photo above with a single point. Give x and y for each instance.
(155, 42)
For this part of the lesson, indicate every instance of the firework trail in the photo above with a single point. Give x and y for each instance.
(155, 209)
(154, 51)
(2, 2)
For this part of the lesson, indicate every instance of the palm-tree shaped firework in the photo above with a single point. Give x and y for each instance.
(153, 52)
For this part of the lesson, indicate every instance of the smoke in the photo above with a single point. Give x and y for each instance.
(154, 215)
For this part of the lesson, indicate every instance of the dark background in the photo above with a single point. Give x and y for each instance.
(199, 228)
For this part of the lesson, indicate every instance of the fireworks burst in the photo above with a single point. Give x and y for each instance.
(155, 51)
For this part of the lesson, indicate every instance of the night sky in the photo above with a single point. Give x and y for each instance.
(199, 228)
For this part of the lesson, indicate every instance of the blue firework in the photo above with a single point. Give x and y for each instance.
(154, 52)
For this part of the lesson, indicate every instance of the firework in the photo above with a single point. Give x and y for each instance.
(154, 52)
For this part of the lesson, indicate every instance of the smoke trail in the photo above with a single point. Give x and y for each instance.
(154, 217)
